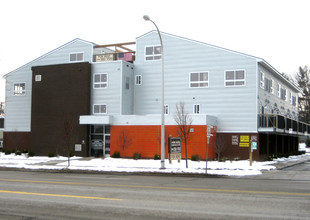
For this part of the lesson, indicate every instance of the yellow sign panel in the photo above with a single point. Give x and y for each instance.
(244, 144)
(244, 138)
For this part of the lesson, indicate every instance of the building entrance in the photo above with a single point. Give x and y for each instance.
(100, 140)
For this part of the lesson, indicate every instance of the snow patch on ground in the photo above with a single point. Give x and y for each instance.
(228, 168)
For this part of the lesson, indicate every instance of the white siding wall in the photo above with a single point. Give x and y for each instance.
(109, 96)
(235, 107)
(268, 99)
(18, 108)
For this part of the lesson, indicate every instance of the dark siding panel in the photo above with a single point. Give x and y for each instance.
(16, 140)
(62, 95)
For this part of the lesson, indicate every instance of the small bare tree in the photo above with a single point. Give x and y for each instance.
(124, 141)
(184, 122)
(220, 146)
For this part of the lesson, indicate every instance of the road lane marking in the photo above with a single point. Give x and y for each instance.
(57, 195)
(163, 187)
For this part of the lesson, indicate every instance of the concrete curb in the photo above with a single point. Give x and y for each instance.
(283, 165)
(278, 165)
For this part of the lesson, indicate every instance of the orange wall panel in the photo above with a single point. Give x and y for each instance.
(145, 139)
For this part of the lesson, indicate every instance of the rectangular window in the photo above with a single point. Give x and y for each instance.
(127, 83)
(19, 88)
(166, 109)
(76, 57)
(38, 78)
(200, 79)
(262, 80)
(293, 100)
(100, 109)
(272, 86)
(268, 85)
(196, 109)
(100, 80)
(152, 52)
(235, 78)
(283, 93)
(1, 123)
(138, 80)
(278, 90)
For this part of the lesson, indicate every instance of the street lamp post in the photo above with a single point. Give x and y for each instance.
(162, 142)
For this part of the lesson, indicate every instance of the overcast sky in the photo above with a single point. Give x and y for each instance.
(275, 30)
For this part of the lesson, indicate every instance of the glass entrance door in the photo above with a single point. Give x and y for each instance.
(107, 144)
(100, 140)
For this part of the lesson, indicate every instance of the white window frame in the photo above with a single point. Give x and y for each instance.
(138, 80)
(19, 91)
(293, 96)
(196, 109)
(158, 56)
(272, 86)
(101, 83)
(100, 108)
(262, 79)
(76, 56)
(199, 82)
(279, 90)
(284, 98)
(166, 109)
(234, 80)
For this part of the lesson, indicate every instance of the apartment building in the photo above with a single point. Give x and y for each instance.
(85, 97)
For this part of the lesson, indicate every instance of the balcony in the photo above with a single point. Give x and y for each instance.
(125, 56)
(281, 124)
(111, 52)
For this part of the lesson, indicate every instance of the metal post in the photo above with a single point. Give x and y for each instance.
(162, 142)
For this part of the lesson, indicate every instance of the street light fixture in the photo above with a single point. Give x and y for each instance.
(162, 142)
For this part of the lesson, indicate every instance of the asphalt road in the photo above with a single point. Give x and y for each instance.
(41, 195)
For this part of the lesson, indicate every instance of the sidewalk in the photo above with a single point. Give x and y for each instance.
(150, 166)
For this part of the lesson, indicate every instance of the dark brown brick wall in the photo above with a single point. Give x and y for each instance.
(235, 151)
(62, 95)
(16, 140)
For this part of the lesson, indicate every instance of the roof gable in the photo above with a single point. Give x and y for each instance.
(198, 42)
(51, 52)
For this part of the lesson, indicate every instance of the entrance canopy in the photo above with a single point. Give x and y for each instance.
(95, 119)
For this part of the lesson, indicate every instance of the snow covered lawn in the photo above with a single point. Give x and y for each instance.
(229, 168)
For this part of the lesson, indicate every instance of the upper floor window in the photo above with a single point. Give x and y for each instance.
(19, 88)
(138, 80)
(272, 86)
(100, 80)
(278, 90)
(283, 93)
(294, 100)
(1, 123)
(262, 80)
(166, 109)
(100, 109)
(76, 57)
(235, 78)
(127, 79)
(196, 109)
(152, 52)
(268, 85)
(200, 79)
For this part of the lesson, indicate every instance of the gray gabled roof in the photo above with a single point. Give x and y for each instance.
(70, 42)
